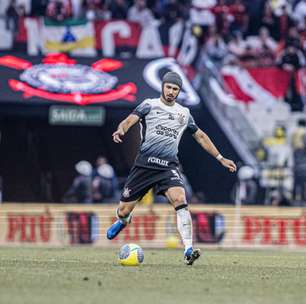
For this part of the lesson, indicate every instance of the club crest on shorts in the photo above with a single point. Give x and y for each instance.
(126, 192)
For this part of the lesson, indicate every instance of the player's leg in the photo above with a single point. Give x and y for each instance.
(176, 196)
(138, 183)
(124, 217)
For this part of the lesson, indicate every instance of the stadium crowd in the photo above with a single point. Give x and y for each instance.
(249, 33)
(260, 28)
(98, 184)
(252, 33)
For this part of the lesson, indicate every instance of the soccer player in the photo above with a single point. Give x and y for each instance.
(163, 122)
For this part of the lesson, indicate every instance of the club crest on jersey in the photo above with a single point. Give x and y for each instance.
(126, 192)
(181, 118)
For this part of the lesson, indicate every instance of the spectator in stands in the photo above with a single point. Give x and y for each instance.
(279, 151)
(237, 44)
(268, 19)
(118, 9)
(216, 48)
(105, 182)
(100, 162)
(103, 185)
(200, 14)
(300, 172)
(292, 38)
(298, 134)
(263, 45)
(12, 16)
(299, 12)
(302, 36)
(59, 10)
(291, 60)
(245, 190)
(241, 18)
(140, 13)
(255, 12)
(230, 17)
(277, 177)
(97, 9)
(81, 189)
(283, 21)
(39, 7)
(172, 11)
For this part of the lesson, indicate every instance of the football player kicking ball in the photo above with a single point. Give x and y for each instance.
(163, 122)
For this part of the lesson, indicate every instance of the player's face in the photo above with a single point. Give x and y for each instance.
(170, 91)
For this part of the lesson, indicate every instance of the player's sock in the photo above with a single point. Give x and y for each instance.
(124, 219)
(184, 225)
(119, 225)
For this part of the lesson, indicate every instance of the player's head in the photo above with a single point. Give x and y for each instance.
(171, 86)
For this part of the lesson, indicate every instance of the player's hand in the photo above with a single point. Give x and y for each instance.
(227, 163)
(117, 136)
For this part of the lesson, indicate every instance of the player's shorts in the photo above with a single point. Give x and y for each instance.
(141, 180)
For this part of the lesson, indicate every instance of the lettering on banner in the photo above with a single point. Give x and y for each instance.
(120, 28)
(114, 37)
(274, 231)
(29, 228)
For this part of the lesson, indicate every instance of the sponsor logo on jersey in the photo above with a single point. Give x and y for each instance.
(158, 161)
(166, 131)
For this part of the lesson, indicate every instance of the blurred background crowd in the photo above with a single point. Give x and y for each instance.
(232, 33)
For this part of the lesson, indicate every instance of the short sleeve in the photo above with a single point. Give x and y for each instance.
(191, 125)
(142, 110)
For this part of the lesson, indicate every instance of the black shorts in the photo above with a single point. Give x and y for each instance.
(141, 180)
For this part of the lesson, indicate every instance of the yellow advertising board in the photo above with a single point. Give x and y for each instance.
(213, 225)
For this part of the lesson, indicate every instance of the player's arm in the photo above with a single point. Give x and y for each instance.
(205, 142)
(124, 126)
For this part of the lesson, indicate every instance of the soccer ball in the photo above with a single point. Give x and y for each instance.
(131, 255)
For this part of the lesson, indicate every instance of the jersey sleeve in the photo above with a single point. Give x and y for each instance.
(191, 125)
(142, 110)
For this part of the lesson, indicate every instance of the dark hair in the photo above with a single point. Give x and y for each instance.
(172, 77)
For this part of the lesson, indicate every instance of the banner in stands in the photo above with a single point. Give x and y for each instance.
(58, 78)
(248, 85)
(110, 38)
(251, 227)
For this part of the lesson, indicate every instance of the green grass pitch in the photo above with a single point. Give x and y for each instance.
(82, 275)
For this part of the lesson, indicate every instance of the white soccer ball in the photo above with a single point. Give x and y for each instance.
(131, 255)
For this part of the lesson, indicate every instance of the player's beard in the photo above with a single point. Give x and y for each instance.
(169, 99)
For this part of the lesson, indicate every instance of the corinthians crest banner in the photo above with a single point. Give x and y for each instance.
(58, 78)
